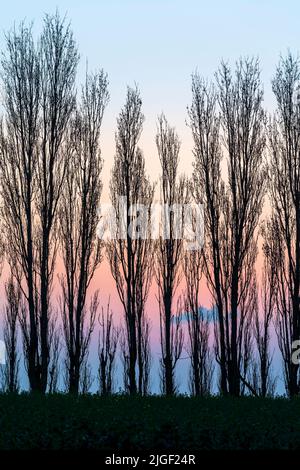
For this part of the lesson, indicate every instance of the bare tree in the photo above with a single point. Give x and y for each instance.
(10, 377)
(129, 252)
(39, 98)
(208, 189)
(19, 136)
(124, 359)
(233, 207)
(169, 250)
(284, 138)
(263, 381)
(242, 119)
(248, 309)
(80, 247)
(59, 58)
(201, 371)
(107, 349)
(86, 378)
(55, 351)
(145, 359)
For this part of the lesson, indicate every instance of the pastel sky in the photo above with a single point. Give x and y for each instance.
(158, 44)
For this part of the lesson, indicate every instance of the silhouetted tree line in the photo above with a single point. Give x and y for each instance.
(51, 184)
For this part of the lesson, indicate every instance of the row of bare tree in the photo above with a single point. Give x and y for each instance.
(50, 166)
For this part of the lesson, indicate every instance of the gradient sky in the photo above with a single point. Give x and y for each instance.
(158, 44)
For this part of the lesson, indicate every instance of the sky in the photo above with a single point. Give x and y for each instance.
(158, 44)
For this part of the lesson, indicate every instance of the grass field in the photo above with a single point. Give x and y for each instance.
(138, 424)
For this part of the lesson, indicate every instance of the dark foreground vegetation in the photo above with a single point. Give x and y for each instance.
(122, 423)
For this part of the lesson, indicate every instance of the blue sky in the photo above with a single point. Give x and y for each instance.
(159, 43)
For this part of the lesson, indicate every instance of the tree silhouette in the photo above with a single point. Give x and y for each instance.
(201, 373)
(50, 185)
(10, 378)
(284, 172)
(39, 97)
(233, 207)
(129, 253)
(169, 250)
(19, 138)
(81, 249)
(107, 349)
(59, 59)
(264, 383)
